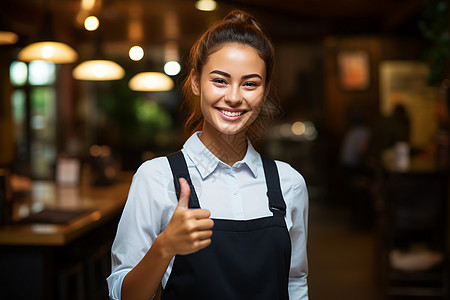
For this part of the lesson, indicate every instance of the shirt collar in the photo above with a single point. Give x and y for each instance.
(206, 162)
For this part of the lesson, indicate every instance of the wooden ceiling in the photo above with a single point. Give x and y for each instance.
(163, 20)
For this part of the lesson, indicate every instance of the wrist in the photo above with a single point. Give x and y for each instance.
(161, 246)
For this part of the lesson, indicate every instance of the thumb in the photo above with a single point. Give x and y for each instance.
(185, 192)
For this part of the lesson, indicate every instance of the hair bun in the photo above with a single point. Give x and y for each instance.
(241, 16)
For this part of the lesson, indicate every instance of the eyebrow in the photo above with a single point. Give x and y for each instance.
(229, 76)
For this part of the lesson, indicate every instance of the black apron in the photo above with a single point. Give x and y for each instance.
(247, 259)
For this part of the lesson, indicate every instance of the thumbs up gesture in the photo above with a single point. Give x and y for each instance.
(189, 230)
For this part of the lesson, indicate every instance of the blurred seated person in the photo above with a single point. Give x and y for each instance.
(355, 180)
(355, 143)
(387, 131)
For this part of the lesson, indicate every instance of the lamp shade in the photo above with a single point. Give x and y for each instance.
(150, 82)
(56, 52)
(8, 37)
(206, 5)
(98, 70)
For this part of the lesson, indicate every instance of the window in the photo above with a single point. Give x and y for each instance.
(34, 113)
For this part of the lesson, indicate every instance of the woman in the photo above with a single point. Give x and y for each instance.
(216, 220)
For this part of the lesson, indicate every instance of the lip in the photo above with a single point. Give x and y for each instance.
(231, 118)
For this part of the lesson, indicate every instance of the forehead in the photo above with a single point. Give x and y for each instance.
(235, 56)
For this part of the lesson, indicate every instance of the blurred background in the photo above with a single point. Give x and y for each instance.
(363, 87)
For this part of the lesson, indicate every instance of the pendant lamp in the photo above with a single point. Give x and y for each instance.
(206, 5)
(98, 68)
(46, 48)
(7, 36)
(151, 82)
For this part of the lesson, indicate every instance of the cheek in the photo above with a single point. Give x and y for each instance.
(256, 101)
(211, 94)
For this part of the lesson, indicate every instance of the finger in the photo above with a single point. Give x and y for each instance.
(202, 244)
(204, 235)
(204, 224)
(200, 213)
(185, 192)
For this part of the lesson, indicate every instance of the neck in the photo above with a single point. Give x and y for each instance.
(228, 148)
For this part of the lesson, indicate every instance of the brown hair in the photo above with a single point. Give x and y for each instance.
(236, 27)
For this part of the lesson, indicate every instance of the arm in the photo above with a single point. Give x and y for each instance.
(188, 231)
(140, 246)
(295, 194)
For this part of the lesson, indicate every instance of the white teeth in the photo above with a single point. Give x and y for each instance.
(231, 114)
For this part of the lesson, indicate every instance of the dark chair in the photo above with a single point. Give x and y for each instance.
(415, 231)
(71, 282)
(98, 267)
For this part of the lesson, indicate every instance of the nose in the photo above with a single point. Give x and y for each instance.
(233, 96)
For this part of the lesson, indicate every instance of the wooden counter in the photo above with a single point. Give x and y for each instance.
(68, 260)
(102, 204)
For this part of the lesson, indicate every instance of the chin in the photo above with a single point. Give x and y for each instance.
(230, 131)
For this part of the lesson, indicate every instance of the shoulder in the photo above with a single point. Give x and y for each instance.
(153, 183)
(155, 166)
(293, 187)
(290, 176)
(154, 171)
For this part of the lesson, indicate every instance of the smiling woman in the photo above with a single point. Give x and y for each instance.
(216, 219)
(205, 49)
(231, 87)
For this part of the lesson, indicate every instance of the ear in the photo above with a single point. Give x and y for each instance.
(195, 83)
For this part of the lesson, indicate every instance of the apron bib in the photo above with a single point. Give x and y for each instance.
(247, 259)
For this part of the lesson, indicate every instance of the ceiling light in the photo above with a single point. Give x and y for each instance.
(46, 48)
(56, 52)
(87, 4)
(98, 70)
(172, 68)
(136, 53)
(8, 38)
(91, 23)
(151, 82)
(206, 5)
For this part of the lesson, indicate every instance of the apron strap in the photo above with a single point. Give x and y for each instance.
(179, 169)
(276, 202)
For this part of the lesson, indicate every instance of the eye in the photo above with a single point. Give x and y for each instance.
(251, 84)
(219, 81)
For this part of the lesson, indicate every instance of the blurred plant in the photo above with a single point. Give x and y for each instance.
(132, 119)
(434, 26)
(151, 115)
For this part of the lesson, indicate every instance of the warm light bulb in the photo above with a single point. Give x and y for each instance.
(298, 128)
(47, 52)
(172, 68)
(91, 23)
(87, 4)
(136, 53)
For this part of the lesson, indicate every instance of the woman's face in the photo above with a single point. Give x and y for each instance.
(231, 88)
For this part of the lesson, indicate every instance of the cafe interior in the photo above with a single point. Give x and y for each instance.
(90, 89)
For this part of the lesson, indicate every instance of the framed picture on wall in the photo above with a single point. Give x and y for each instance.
(353, 70)
(405, 83)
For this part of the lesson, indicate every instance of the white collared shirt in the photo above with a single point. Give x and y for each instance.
(236, 193)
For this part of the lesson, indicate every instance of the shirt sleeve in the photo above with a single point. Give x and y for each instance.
(295, 195)
(149, 206)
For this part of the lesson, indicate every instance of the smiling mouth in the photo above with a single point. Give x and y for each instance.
(231, 113)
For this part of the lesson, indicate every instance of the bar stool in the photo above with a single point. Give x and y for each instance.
(416, 245)
(98, 267)
(71, 282)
